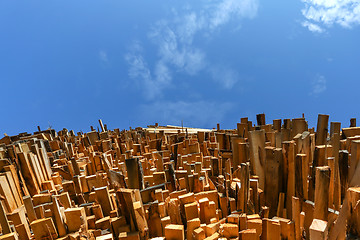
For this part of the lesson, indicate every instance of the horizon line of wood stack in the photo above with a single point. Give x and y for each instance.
(259, 181)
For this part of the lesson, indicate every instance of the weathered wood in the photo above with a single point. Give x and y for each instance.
(58, 217)
(28, 174)
(257, 155)
(271, 190)
(44, 229)
(5, 226)
(296, 209)
(76, 219)
(322, 193)
(134, 173)
(154, 221)
(103, 197)
(243, 195)
(322, 129)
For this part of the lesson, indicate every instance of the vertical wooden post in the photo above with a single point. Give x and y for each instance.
(135, 173)
(289, 160)
(299, 181)
(257, 155)
(243, 195)
(101, 125)
(296, 209)
(322, 129)
(235, 141)
(353, 122)
(277, 124)
(260, 118)
(322, 181)
(336, 173)
(344, 171)
(242, 130)
(355, 157)
(271, 190)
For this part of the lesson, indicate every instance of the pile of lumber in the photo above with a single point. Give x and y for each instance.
(259, 181)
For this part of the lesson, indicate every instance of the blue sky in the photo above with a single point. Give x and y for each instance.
(133, 63)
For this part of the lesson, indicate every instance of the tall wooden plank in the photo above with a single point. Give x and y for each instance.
(289, 161)
(322, 129)
(322, 193)
(271, 190)
(257, 155)
(135, 173)
(28, 174)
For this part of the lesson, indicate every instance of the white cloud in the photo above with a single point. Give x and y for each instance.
(226, 77)
(233, 8)
(318, 85)
(103, 56)
(197, 113)
(327, 13)
(312, 27)
(151, 85)
(174, 39)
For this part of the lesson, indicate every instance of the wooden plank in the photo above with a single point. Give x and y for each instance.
(58, 217)
(322, 129)
(5, 226)
(322, 193)
(243, 195)
(289, 161)
(175, 232)
(44, 229)
(28, 174)
(12, 170)
(296, 209)
(318, 230)
(5, 190)
(13, 188)
(257, 155)
(103, 198)
(135, 173)
(271, 190)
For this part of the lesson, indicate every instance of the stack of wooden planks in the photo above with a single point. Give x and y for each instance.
(259, 181)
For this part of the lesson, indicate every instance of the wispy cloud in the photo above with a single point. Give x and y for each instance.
(318, 85)
(225, 76)
(173, 39)
(200, 113)
(327, 13)
(103, 56)
(232, 8)
(312, 27)
(151, 85)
